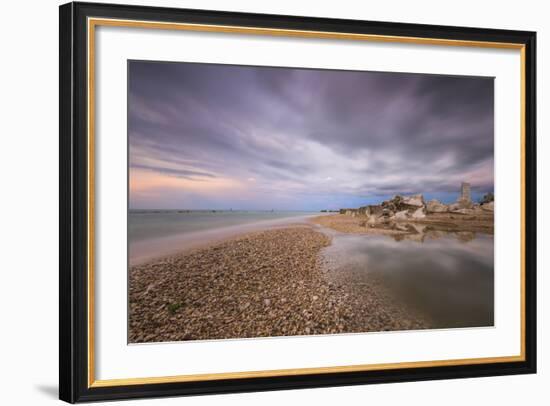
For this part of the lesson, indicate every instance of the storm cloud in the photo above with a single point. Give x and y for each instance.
(220, 136)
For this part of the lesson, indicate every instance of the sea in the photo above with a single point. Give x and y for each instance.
(155, 233)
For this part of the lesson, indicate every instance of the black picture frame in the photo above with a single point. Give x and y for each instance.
(74, 385)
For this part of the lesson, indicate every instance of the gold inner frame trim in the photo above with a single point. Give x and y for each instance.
(94, 22)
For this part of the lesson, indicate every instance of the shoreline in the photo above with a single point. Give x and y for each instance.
(147, 250)
(156, 249)
(263, 284)
(432, 223)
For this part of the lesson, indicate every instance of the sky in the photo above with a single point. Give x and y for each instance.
(209, 136)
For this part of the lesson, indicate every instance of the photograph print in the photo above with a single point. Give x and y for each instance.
(280, 201)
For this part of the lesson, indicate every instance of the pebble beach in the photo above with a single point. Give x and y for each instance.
(263, 284)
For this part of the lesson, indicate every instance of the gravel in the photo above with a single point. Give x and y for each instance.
(264, 284)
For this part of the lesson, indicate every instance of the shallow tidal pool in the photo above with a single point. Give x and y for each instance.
(447, 277)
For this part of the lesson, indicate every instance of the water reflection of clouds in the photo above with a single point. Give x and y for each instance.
(450, 280)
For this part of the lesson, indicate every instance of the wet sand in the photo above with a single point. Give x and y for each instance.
(263, 284)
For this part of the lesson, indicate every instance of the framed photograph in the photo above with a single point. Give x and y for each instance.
(256, 202)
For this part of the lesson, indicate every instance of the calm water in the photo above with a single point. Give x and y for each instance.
(144, 225)
(156, 233)
(446, 276)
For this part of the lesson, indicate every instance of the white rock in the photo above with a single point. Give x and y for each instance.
(419, 213)
(435, 206)
(414, 200)
(402, 215)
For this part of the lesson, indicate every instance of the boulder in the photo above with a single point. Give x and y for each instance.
(393, 204)
(374, 210)
(402, 215)
(419, 213)
(389, 205)
(414, 200)
(435, 206)
(363, 211)
(454, 206)
(393, 201)
(488, 206)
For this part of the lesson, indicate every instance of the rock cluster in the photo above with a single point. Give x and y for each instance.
(397, 208)
(414, 207)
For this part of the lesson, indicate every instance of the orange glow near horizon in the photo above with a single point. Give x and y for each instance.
(146, 181)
